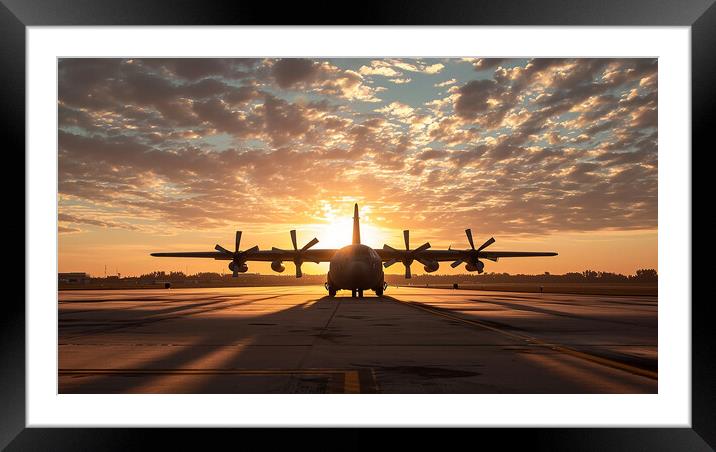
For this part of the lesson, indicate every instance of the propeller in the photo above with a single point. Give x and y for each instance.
(408, 256)
(473, 254)
(237, 257)
(298, 253)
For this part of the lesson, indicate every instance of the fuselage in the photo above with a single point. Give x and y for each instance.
(355, 266)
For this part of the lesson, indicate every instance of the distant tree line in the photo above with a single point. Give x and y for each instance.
(587, 276)
(642, 275)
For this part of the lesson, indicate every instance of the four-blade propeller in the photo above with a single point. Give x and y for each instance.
(408, 255)
(472, 255)
(237, 257)
(298, 253)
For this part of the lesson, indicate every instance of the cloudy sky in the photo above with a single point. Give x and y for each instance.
(176, 154)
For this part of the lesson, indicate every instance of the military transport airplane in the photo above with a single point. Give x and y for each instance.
(357, 267)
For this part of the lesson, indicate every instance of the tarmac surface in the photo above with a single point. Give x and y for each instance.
(298, 340)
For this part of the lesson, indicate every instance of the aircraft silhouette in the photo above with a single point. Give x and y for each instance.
(357, 267)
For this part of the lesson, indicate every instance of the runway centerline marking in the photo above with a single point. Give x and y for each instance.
(351, 384)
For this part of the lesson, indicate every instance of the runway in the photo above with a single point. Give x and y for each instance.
(297, 340)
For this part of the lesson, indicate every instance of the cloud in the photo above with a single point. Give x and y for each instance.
(449, 82)
(481, 64)
(433, 68)
(474, 97)
(528, 146)
(379, 67)
(68, 218)
(347, 84)
(395, 68)
(417, 66)
(67, 230)
(397, 109)
(290, 71)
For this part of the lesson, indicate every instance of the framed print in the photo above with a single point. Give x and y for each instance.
(500, 197)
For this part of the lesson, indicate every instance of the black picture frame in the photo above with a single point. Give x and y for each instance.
(16, 15)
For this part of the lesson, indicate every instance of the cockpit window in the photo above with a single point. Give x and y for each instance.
(358, 252)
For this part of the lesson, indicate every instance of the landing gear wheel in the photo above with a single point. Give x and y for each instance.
(360, 293)
(353, 293)
(379, 291)
(330, 289)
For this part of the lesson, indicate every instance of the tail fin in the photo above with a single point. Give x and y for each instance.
(356, 226)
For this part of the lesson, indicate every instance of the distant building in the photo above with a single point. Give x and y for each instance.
(73, 278)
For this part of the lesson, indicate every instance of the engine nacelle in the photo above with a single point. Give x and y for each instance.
(478, 267)
(431, 267)
(277, 267)
(239, 267)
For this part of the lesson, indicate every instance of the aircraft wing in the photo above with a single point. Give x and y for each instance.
(498, 254)
(204, 254)
(310, 255)
(452, 255)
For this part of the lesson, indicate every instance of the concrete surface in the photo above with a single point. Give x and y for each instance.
(297, 340)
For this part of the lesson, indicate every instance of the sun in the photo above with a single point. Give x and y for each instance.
(338, 232)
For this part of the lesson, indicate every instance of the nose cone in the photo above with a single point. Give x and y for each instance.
(360, 273)
(354, 275)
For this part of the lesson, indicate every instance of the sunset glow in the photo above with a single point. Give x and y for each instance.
(177, 154)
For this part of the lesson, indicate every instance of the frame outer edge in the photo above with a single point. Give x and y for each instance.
(12, 81)
(396, 12)
(12, 319)
(703, 339)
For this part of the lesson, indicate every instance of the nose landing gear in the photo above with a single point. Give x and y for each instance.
(355, 293)
(380, 289)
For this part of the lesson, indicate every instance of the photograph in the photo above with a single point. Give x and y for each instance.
(385, 225)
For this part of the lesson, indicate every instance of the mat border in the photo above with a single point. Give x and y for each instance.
(16, 15)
